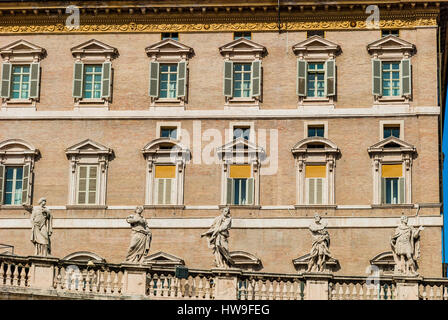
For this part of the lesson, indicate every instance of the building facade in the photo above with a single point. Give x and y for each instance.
(185, 109)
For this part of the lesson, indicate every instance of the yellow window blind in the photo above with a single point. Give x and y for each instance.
(315, 171)
(240, 171)
(165, 172)
(391, 170)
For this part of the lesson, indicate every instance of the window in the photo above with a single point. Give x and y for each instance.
(241, 132)
(393, 184)
(391, 130)
(20, 82)
(92, 81)
(87, 184)
(316, 131)
(13, 185)
(93, 73)
(20, 73)
(391, 78)
(240, 185)
(319, 33)
(89, 161)
(316, 80)
(242, 76)
(168, 81)
(241, 80)
(394, 32)
(168, 72)
(316, 70)
(170, 35)
(238, 35)
(165, 177)
(17, 159)
(315, 183)
(168, 132)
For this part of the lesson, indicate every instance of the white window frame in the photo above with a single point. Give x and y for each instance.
(316, 123)
(96, 155)
(249, 124)
(14, 179)
(18, 153)
(169, 124)
(384, 123)
(89, 165)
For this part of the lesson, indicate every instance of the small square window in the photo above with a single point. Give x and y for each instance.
(241, 132)
(394, 32)
(170, 35)
(238, 35)
(391, 130)
(168, 132)
(316, 131)
(311, 33)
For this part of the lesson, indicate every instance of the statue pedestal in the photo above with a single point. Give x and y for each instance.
(42, 271)
(316, 287)
(135, 278)
(407, 287)
(226, 282)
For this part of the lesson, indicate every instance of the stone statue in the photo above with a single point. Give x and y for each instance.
(140, 239)
(218, 236)
(42, 227)
(320, 252)
(405, 245)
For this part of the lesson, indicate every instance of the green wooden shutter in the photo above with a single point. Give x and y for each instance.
(168, 190)
(26, 186)
(181, 79)
(93, 176)
(34, 80)
(311, 191)
(383, 190)
(256, 78)
(78, 74)
(377, 77)
(154, 79)
(6, 80)
(2, 182)
(330, 78)
(82, 185)
(319, 191)
(401, 190)
(229, 194)
(160, 189)
(302, 67)
(405, 73)
(228, 78)
(106, 79)
(250, 191)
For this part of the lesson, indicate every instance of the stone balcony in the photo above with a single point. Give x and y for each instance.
(52, 278)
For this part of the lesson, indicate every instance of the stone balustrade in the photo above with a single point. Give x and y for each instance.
(51, 277)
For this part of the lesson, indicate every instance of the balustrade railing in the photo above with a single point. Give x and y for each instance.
(433, 289)
(14, 271)
(361, 288)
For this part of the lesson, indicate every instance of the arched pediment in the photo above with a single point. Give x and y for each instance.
(241, 46)
(84, 256)
(316, 44)
(160, 143)
(17, 146)
(301, 264)
(245, 260)
(326, 144)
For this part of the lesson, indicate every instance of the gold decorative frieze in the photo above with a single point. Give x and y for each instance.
(125, 24)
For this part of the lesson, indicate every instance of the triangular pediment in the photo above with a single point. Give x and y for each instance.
(93, 46)
(316, 43)
(390, 43)
(168, 46)
(242, 45)
(163, 259)
(392, 143)
(240, 144)
(22, 47)
(88, 146)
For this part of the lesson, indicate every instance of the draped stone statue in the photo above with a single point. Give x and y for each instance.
(405, 245)
(140, 238)
(218, 236)
(320, 252)
(42, 228)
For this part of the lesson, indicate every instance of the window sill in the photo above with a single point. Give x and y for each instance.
(316, 99)
(11, 207)
(391, 99)
(391, 206)
(242, 206)
(100, 103)
(19, 101)
(167, 100)
(164, 206)
(84, 206)
(315, 206)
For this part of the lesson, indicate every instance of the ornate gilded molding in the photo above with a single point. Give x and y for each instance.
(133, 24)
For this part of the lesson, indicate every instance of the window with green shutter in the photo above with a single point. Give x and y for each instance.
(393, 190)
(13, 186)
(20, 82)
(391, 79)
(315, 80)
(240, 191)
(242, 73)
(168, 81)
(92, 81)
